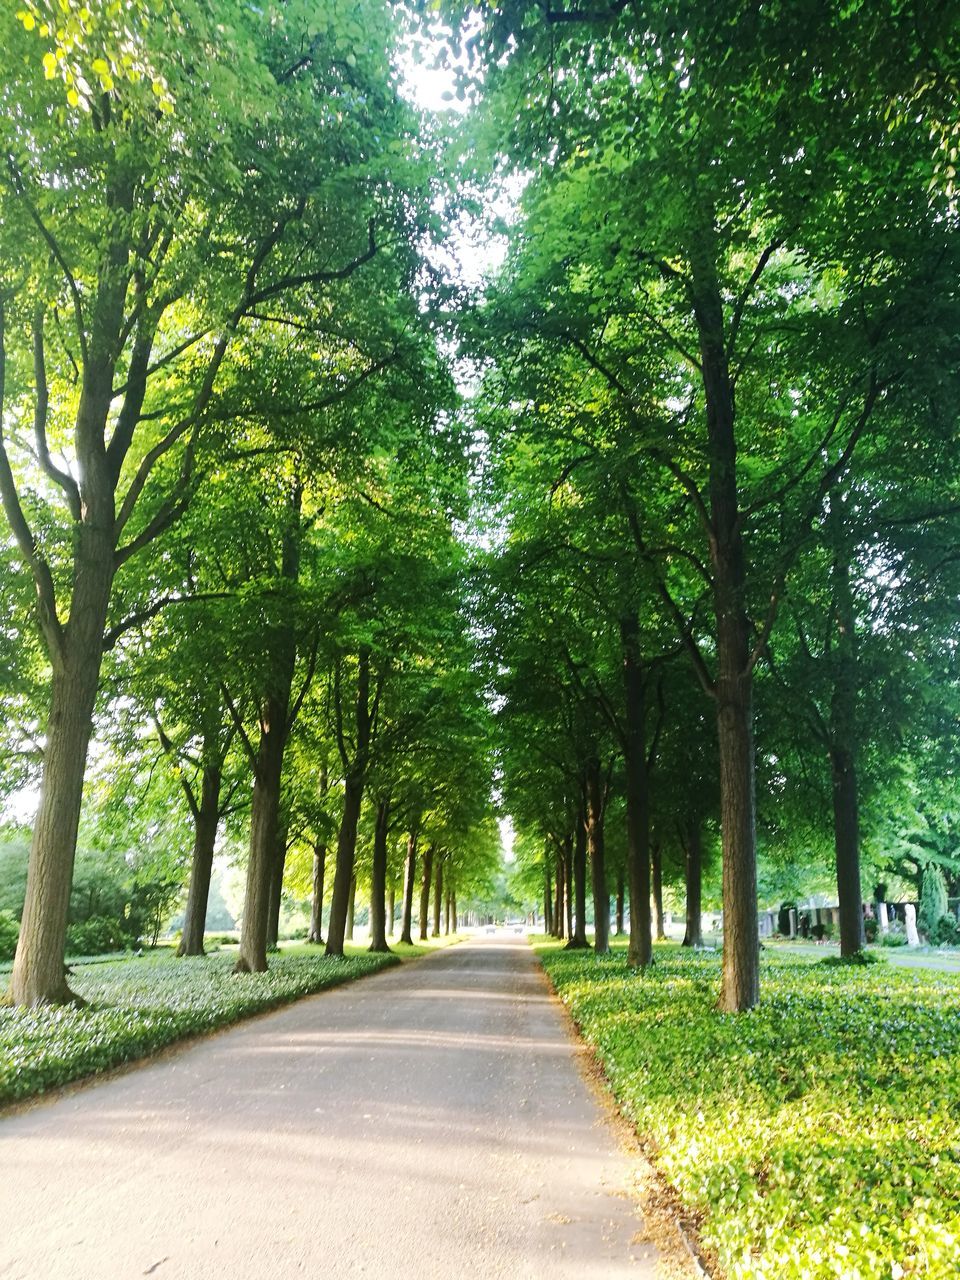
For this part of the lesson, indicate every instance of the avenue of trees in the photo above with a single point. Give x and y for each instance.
(719, 394)
(231, 468)
(678, 582)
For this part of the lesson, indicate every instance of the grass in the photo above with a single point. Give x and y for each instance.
(139, 1004)
(816, 1136)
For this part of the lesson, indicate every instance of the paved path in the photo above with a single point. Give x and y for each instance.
(426, 1122)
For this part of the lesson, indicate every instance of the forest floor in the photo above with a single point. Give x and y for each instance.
(816, 1137)
(432, 1120)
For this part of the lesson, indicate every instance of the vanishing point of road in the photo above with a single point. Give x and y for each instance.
(427, 1122)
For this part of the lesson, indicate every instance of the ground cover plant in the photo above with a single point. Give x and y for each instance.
(136, 1006)
(818, 1135)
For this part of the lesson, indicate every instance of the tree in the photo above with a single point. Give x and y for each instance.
(122, 299)
(684, 199)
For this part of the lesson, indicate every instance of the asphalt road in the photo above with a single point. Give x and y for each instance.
(427, 1122)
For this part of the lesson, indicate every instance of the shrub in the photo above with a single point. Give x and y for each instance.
(946, 932)
(858, 958)
(870, 929)
(894, 937)
(9, 933)
(95, 937)
(933, 901)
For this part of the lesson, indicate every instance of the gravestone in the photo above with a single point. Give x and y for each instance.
(882, 921)
(910, 919)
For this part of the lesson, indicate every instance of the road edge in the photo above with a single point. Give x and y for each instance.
(666, 1219)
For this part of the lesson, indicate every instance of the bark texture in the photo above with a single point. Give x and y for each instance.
(656, 859)
(596, 844)
(316, 898)
(356, 773)
(425, 893)
(351, 909)
(578, 934)
(264, 834)
(268, 771)
(734, 678)
(409, 884)
(640, 947)
(38, 972)
(437, 896)
(844, 739)
(276, 889)
(693, 879)
(378, 878)
(206, 819)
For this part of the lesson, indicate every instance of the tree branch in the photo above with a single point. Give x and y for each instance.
(682, 625)
(51, 243)
(40, 412)
(238, 725)
(50, 624)
(289, 282)
(747, 290)
(144, 615)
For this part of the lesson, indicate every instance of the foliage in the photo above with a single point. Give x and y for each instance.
(894, 937)
(97, 936)
(818, 1135)
(137, 1006)
(858, 958)
(933, 902)
(9, 933)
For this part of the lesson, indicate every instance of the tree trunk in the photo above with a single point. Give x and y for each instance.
(693, 876)
(75, 648)
(391, 908)
(741, 933)
(268, 773)
(264, 834)
(316, 901)
(437, 896)
(640, 948)
(547, 896)
(378, 879)
(38, 971)
(578, 935)
(409, 881)
(206, 819)
(733, 687)
(844, 741)
(343, 876)
(598, 869)
(351, 908)
(568, 885)
(425, 892)
(344, 885)
(846, 829)
(453, 909)
(621, 896)
(558, 908)
(657, 860)
(276, 889)
(448, 926)
(319, 870)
